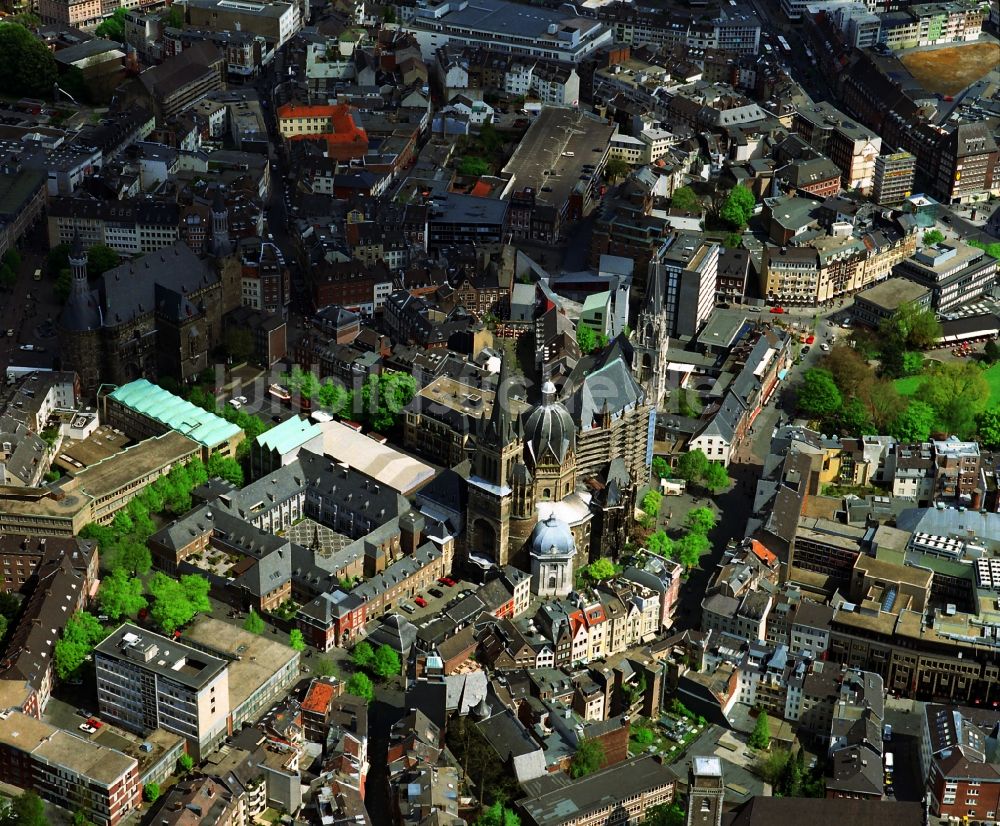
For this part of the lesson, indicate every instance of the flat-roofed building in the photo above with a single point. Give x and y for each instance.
(146, 681)
(880, 301)
(546, 183)
(96, 493)
(276, 21)
(66, 770)
(508, 27)
(954, 272)
(261, 669)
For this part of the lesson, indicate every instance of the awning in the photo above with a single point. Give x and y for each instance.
(782, 374)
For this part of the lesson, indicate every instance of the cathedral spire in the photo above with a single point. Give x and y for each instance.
(500, 427)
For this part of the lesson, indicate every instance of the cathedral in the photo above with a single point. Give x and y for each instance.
(554, 488)
(650, 340)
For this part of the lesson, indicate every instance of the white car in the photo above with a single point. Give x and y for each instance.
(241, 399)
(825, 347)
(28, 347)
(236, 404)
(86, 728)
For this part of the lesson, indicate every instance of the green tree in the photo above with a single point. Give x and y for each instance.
(988, 428)
(63, 285)
(912, 363)
(253, 623)
(701, 520)
(715, 477)
(174, 18)
(185, 763)
(661, 467)
(818, 394)
(991, 352)
(686, 199)
(238, 343)
(27, 67)
(689, 549)
(362, 655)
(853, 419)
(324, 667)
(100, 257)
(691, 466)
(957, 391)
(992, 250)
(473, 166)
(849, 369)
(151, 792)
(8, 277)
(384, 398)
(129, 555)
(651, 503)
(12, 258)
(588, 759)
(26, 809)
(334, 397)
(81, 633)
(733, 240)
(760, 737)
(497, 815)
(360, 685)
(175, 602)
(616, 168)
(586, 337)
(601, 569)
(932, 237)
(113, 27)
(385, 662)
(659, 543)
(225, 468)
(80, 819)
(296, 641)
(643, 736)
(664, 814)
(914, 423)
(26, 19)
(121, 595)
(738, 207)
(911, 327)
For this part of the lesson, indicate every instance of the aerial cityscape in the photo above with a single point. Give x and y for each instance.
(499, 412)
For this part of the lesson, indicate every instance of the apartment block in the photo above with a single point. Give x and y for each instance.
(146, 681)
(66, 770)
(894, 175)
(852, 147)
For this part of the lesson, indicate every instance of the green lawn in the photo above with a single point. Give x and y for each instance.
(909, 385)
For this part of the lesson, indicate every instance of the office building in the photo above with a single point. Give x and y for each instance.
(146, 681)
(690, 271)
(508, 27)
(894, 176)
(852, 147)
(954, 272)
(275, 21)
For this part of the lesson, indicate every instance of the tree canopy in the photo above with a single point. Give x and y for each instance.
(120, 595)
(691, 466)
(760, 737)
(362, 654)
(81, 633)
(588, 759)
(659, 543)
(27, 67)
(586, 337)
(738, 207)
(100, 257)
(26, 809)
(601, 569)
(296, 641)
(497, 815)
(616, 168)
(254, 623)
(818, 394)
(651, 502)
(661, 468)
(958, 392)
(384, 398)
(360, 685)
(176, 601)
(701, 520)
(932, 237)
(686, 199)
(385, 662)
(914, 423)
(664, 814)
(113, 27)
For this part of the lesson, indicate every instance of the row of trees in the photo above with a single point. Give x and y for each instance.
(695, 468)
(689, 548)
(382, 662)
(380, 401)
(27, 66)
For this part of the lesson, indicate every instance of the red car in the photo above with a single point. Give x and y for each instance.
(810, 339)
(93, 721)
(446, 580)
(777, 310)
(420, 601)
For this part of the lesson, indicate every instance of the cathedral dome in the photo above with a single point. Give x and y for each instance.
(549, 427)
(552, 537)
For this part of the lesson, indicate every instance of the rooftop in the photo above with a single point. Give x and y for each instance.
(386, 465)
(176, 413)
(166, 658)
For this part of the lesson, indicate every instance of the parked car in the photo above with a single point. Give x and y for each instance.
(407, 607)
(825, 347)
(420, 601)
(435, 592)
(806, 349)
(86, 728)
(93, 721)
